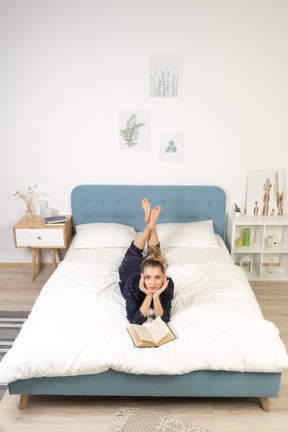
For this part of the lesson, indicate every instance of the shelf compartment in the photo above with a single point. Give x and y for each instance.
(256, 238)
(281, 231)
(256, 263)
(280, 262)
(279, 274)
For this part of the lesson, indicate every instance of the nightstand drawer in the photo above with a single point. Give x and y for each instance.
(39, 238)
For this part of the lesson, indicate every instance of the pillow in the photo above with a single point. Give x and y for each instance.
(190, 234)
(96, 235)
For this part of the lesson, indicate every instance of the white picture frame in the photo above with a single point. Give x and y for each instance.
(171, 147)
(165, 76)
(265, 192)
(134, 129)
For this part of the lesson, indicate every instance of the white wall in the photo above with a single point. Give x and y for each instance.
(68, 66)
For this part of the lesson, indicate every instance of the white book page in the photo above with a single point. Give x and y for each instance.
(158, 329)
(142, 333)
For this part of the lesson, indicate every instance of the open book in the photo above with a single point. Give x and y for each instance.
(155, 334)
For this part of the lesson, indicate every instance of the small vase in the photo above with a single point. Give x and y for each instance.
(29, 214)
(271, 266)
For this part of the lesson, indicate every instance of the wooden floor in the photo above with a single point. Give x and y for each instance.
(46, 413)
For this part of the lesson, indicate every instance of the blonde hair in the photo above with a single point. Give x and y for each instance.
(154, 259)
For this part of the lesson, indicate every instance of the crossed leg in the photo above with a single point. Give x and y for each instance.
(149, 234)
(153, 239)
(147, 209)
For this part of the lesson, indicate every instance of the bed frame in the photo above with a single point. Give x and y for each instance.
(122, 204)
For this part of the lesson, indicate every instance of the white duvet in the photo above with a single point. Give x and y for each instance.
(78, 324)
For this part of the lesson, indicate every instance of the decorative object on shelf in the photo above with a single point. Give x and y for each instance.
(29, 214)
(134, 129)
(28, 197)
(49, 212)
(239, 242)
(270, 266)
(272, 240)
(246, 239)
(266, 187)
(246, 264)
(237, 210)
(165, 76)
(256, 209)
(171, 147)
(43, 204)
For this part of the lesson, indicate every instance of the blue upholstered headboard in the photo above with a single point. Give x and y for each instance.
(122, 204)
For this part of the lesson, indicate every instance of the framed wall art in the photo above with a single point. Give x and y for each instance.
(134, 129)
(171, 147)
(265, 192)
(165, 76)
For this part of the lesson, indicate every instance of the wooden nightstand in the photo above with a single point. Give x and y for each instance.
(35, 235)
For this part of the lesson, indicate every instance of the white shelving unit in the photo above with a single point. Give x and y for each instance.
(259, 251)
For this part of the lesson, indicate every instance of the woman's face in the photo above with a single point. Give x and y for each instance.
(153, 278)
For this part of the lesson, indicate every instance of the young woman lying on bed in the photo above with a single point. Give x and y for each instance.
(143, 281)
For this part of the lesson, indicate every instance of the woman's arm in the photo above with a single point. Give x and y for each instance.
(156, 298)
(134, 314)
(162, 307)
(144, 308)
(137, 302)
(157, 306)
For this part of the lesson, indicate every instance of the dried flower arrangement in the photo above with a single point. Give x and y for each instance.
(28, 197)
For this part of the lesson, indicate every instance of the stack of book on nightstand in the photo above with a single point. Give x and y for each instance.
(55, 221)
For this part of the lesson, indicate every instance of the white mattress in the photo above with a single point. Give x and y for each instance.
(78, 324)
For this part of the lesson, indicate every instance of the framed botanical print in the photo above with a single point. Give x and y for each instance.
(171, 147)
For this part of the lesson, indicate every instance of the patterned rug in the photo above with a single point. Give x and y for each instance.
(144, 420)
(10, 326)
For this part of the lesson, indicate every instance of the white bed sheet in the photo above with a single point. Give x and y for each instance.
(78, 324)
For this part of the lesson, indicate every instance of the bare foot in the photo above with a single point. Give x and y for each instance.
(147, 209)
(154, 216)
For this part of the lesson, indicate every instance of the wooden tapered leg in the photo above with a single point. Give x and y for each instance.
(59, 255)
(265, 404)
(33, 264)
(53, 259)
(23, 401)
(39, 259)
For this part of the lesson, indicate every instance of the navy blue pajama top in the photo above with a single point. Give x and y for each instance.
(129, 273)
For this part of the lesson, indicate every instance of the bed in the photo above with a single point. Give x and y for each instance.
(204, 371)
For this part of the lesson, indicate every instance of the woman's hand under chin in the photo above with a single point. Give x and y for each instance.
(163, 288)
(142, 286)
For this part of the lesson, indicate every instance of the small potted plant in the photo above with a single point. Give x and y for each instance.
(237, 210)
